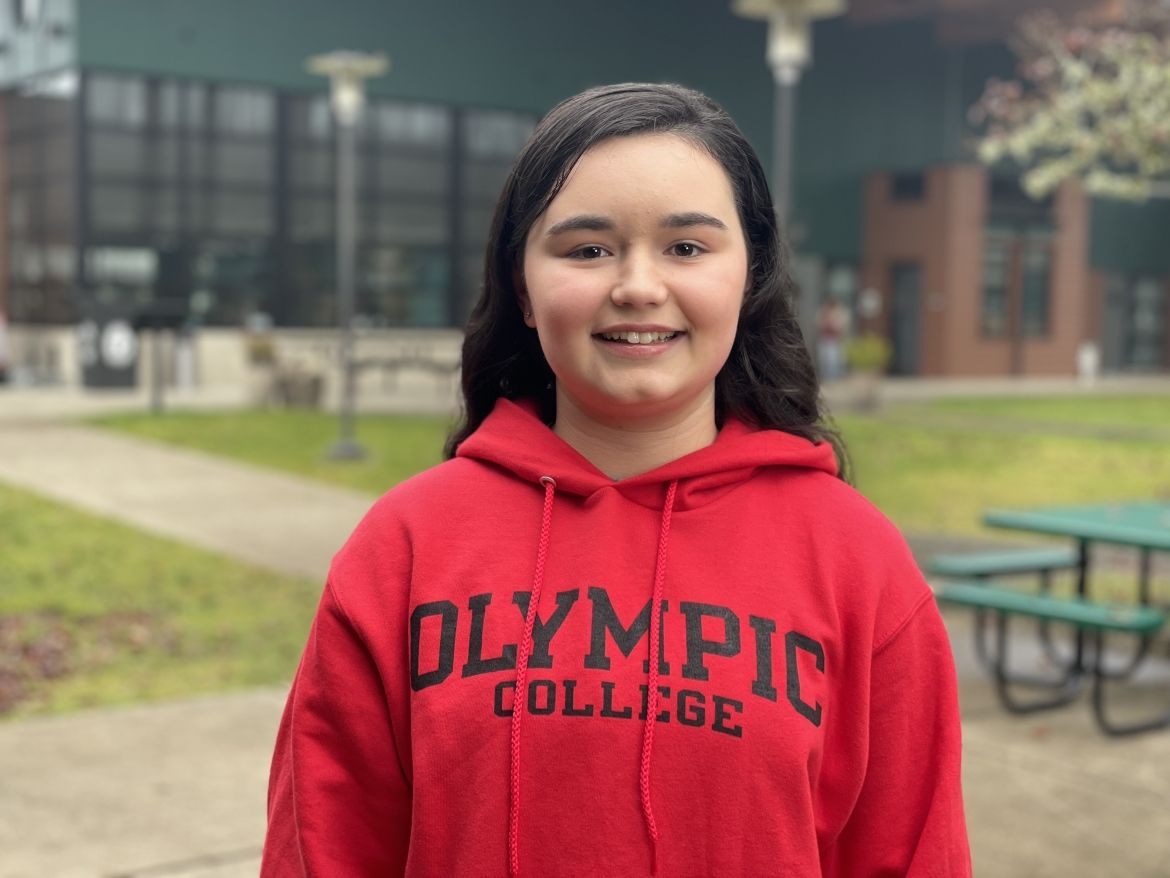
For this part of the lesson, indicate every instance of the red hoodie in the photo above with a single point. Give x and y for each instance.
(806, 714)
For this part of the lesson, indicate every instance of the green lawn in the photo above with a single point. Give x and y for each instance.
(94, 613)
(932, 467)
(931, 476)
(1138, 414)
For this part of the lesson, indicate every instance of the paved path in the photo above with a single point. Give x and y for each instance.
(178, 789)
(267, 518)
(174, 789)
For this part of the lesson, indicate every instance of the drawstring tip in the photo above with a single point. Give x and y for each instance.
(653, 861)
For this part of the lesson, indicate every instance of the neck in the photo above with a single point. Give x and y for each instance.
(624, 448)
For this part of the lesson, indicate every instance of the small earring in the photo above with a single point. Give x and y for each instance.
(527, 315)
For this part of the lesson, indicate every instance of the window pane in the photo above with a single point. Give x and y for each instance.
(1149, 323)
(413, 124)
(18, 213)
(165, 209)
(170, 105)
(243, 162)
(114, 153)
(60, 262)
(59, 155)
(413, 223)
(483, 181)
(993, 319)
(59, 208)
(116, 100)
(403, 286)
(310, 118)
(181, 105)
(312, 167)
(195, 102)
(23, 159)
(496, 135)
(127, 265)
(1035, 294)
(413, 175)
(166, 158)
(198, 158)
(244, 110)
(115, 208)
(248, 214)
(477, 222)
(312, 218)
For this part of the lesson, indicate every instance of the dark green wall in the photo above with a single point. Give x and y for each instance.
(881, 97)
(519, 54)
(1130, 238)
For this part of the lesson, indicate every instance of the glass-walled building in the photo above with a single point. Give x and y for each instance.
(219, 199)
(181, 153)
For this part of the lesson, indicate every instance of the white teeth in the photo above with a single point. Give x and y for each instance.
(638, 337)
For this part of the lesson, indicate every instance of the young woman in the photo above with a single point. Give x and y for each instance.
(636, 624)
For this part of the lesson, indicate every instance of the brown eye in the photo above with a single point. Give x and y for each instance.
(685, 249)
(590, 251)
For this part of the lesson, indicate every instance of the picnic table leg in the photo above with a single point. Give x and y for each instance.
(1044, 628)
(1100, 675)
(1082, 591)
(1144, 577)
(1143, 646)
(1067, 686)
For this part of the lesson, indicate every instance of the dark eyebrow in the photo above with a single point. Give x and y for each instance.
(584, 222)
(694, 218)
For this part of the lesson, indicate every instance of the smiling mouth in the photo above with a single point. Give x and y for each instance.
(638, 337)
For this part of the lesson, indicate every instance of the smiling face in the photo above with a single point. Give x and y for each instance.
(634, 277)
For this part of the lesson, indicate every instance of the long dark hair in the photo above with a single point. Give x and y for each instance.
(768, 379)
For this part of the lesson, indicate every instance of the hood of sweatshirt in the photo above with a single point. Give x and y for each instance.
(514, 438)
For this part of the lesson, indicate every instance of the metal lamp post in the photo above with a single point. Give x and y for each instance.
(789, 52)
(347, 72)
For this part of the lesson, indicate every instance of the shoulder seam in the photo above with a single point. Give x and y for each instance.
(901, 626)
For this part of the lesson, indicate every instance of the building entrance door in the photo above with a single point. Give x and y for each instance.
(1135, 331)
(906, 284)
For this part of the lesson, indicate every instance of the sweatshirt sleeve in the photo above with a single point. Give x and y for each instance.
(908, 818)
(339, 802)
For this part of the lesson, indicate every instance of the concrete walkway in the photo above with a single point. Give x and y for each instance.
(178, 789)
(289, 524)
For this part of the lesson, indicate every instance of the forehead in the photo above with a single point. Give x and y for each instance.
(647, 170)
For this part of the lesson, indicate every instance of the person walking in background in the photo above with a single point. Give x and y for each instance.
(832, 332)
(637, 623)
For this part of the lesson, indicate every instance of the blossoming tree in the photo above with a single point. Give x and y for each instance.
(1092, 103)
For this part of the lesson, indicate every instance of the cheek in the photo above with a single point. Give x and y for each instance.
(563, 300)
(719, 303)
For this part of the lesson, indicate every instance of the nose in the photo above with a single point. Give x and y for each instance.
(640, 282)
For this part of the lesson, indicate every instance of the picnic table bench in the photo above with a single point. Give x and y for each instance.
(1142, 525)
(1096, 619)
(983, 565)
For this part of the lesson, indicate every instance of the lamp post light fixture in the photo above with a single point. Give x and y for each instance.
(347, 72)
(789, 52)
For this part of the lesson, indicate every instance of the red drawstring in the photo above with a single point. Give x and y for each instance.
(652, 683)
(524, 651)
(518, 697)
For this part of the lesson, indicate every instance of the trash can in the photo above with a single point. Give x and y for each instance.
(108, 347)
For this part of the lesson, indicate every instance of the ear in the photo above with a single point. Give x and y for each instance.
(522, 300)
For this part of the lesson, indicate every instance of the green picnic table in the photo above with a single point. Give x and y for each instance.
(1142, 525)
